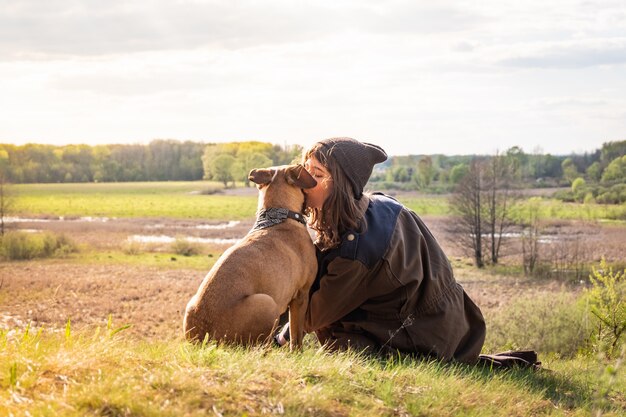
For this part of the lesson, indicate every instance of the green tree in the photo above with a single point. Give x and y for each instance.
(616, 171)
(612, 150)
(579, 189)
(594, 172)
(221, 168)
(570, 172)
(211, 152)
(77, 160)
(458, 172)
(400, 174)
(550, 167)
(247, 159)
(288, 155)
(425, 172)
(518, 161)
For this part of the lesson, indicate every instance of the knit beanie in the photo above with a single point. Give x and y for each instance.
(356, 160)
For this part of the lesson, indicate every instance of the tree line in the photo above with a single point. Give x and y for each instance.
(160, 160)
(592, 175)
(543, 170)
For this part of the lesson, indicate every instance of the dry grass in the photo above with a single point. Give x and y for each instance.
(147, 370)
(104, 372)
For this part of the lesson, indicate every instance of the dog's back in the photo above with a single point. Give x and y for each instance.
(254, 281)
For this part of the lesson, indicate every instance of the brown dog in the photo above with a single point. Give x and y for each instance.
(270, 269)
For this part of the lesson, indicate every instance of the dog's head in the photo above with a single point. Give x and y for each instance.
(282, 186)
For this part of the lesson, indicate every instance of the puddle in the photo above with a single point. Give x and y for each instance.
(59, 219)
(171, 239)
(90, 219)
(518, 235)
(219, 226)
(25, 220)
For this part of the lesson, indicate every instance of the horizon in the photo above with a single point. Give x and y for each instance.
(285, 146)
(451, 78)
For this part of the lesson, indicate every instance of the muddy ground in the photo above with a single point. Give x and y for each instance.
(48, 292)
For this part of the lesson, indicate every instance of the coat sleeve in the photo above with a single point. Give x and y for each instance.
(342, 289)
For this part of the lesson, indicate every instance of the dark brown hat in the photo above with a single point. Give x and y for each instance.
(356, 159)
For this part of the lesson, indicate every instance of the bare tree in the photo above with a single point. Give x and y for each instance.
(482, 202)
(530, 238)
(6, 199)
(467, 204)
(497, 184)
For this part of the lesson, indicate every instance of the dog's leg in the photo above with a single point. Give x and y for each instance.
(252, 319)
(297, 311)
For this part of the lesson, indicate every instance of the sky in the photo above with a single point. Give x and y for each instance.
(415, 77)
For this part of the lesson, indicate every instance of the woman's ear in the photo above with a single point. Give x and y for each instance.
(261, 176)
(300, 177)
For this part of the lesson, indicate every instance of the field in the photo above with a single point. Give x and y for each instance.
(98, 332)
(187, 200)
(166, 199)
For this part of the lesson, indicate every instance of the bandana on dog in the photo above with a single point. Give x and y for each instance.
(273, 216)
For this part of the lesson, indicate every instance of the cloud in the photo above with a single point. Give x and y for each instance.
(62, 28)
(581, 53)
(418, 18)
(570, 101)
(59, 28)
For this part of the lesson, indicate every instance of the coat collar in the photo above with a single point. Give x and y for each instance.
(362, 205)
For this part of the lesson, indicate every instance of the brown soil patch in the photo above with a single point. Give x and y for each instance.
(153, 300)
(49, 293)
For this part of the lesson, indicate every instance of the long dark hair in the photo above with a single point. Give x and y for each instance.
(339, 212)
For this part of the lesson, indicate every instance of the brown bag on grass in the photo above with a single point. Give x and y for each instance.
(521, 359)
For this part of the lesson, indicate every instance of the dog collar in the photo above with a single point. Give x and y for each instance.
(275, 215)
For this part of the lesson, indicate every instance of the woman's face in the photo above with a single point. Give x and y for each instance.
(316, 196)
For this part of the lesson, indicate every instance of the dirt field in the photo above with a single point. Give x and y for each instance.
(152, 300)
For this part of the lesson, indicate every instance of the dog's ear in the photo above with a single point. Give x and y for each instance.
(300, 177)
(261, 176)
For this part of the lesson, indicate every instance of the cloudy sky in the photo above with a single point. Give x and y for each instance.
(453, 77)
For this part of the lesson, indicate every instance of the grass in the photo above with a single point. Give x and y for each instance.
(104, 371)
(431, 205)
(25, 246)
(181, 200)
(550, 208)
(200, 262)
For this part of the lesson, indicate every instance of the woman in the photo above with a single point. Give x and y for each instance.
(384, 284)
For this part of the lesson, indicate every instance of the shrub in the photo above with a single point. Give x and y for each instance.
(565, 195)
(615, 194)
(606, 300)
(547, 323)
(17, 246)
(185, 248)
(589, 199)
(131, 247)
(578, 184)
(210, 191)
(21, 246)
